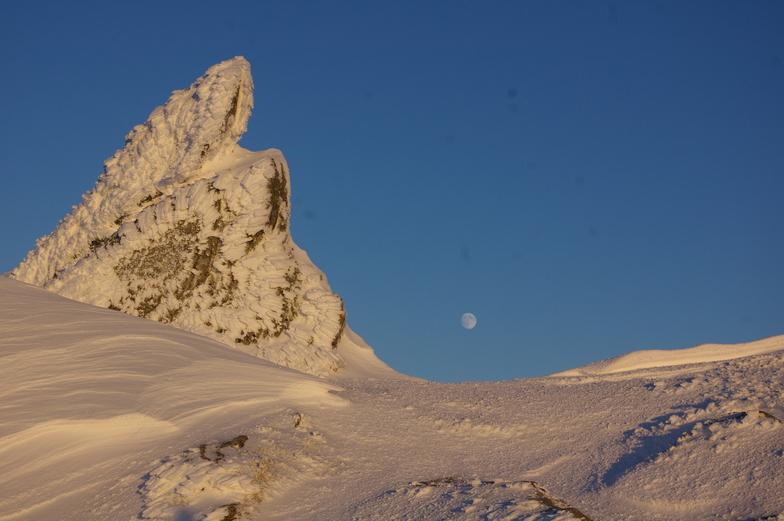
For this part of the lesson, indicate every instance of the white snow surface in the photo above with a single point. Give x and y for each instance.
(107, 416)
(665, 358)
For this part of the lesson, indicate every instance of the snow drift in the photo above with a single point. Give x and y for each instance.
(655, 358)
(106, 416)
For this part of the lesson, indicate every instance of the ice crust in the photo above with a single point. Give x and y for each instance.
(187, 228)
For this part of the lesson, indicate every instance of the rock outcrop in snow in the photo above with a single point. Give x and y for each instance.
(187, 228)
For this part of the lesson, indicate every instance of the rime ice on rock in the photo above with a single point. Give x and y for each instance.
(187, 228)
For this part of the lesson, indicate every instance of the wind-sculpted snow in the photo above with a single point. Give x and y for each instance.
(666, 358)
(187, 228)
(106, 416)
(467, 500)
(231, 478)
(111, 392)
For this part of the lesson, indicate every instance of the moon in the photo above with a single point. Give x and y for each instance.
(468, 320)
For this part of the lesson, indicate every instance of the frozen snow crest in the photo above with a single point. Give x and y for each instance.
(187, 228)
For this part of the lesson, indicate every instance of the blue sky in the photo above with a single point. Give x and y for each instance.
(587, 178)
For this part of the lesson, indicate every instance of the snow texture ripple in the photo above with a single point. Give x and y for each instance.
(106, 416)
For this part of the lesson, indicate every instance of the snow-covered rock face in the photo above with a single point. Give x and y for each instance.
(187, 228)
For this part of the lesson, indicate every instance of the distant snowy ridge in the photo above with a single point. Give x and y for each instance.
(664, 358)
(187, 228)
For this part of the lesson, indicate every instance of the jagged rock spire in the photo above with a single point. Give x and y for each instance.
(187, 228)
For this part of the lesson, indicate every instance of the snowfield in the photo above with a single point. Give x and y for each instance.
(168, 353)
(110, 416)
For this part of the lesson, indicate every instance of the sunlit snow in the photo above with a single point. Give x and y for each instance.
(109, 416)
(167, 416)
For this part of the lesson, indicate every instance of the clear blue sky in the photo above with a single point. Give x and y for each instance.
(587, 178)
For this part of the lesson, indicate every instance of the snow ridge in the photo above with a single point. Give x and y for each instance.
(187, 228)
(654, 358)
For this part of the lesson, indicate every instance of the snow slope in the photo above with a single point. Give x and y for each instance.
(664, 358)
(109, 416)
(91, 397)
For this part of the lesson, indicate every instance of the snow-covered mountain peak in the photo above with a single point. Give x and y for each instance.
(187, 228)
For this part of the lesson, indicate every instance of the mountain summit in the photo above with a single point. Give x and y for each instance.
(187, 228)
